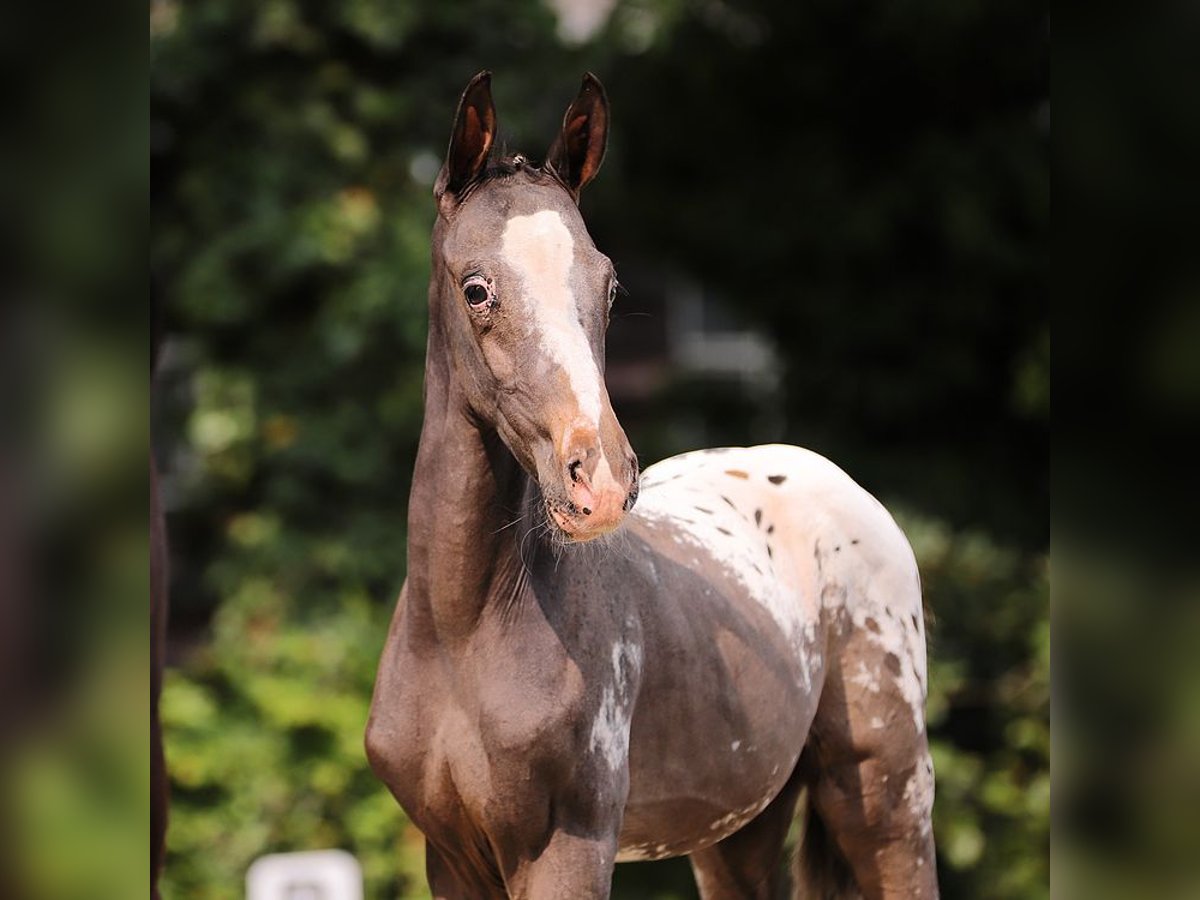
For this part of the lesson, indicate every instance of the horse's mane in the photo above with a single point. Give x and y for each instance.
(506, 165)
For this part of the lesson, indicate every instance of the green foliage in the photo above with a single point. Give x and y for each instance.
(988, 710)
(869, 187)
(265, 741)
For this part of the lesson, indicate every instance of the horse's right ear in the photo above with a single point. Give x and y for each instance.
(471, 140)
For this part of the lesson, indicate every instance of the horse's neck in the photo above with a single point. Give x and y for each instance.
(467, 489)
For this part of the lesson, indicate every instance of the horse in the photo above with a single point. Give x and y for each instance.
(588, 667)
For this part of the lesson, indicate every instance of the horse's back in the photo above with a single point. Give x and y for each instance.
(804, 490)
(775, 515)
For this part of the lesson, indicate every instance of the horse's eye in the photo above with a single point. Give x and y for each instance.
(612, 293)
(478, 291)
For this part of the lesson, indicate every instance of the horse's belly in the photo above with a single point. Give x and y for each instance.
(723, 711)
(691, 790)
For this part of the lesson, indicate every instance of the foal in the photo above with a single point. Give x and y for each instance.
(751, 634)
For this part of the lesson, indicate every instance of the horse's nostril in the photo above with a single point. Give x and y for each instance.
(573, 469)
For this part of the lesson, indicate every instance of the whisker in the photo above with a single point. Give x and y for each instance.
(521, 548)
(515, 521)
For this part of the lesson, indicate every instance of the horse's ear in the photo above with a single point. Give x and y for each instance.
(578, 150)
(471, 140)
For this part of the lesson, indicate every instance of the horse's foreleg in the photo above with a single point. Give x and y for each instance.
(746, 865)
(570, 865)
(447, 883)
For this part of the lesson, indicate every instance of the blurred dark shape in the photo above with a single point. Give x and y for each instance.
(1129, 280)
(73, 443)
(14, 630)
(1127, 598)
(159, 787)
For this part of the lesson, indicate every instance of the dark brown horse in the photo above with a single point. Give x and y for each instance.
(750, 633)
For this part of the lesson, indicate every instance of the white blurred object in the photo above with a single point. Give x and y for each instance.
(313, 875)
(579, 20)
(703, 336)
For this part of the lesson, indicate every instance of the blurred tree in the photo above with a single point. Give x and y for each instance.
(869, 182)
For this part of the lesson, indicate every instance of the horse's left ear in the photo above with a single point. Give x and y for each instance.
(578, 150)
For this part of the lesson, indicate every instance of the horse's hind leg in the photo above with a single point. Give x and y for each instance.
(746, 865)
(869, 772)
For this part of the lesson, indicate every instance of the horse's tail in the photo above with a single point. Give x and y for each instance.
(819, 872)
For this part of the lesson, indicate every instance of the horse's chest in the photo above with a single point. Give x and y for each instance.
(480, 732)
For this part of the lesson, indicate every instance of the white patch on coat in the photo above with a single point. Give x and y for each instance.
(643, 852)
(865, 678)
(540, 250)
(719, 829)
(638, 853)
(610, 729)
(735, 745)
(731, 822)
(918, 794)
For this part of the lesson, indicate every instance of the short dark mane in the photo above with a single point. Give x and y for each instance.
(506, 166)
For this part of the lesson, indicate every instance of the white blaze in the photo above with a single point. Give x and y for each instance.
(540, 250)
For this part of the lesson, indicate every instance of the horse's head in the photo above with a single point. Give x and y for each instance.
(523, 297)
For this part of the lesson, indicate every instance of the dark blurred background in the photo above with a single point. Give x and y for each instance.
(831, 220)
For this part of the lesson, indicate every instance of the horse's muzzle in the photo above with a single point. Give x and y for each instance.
(597, 498)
